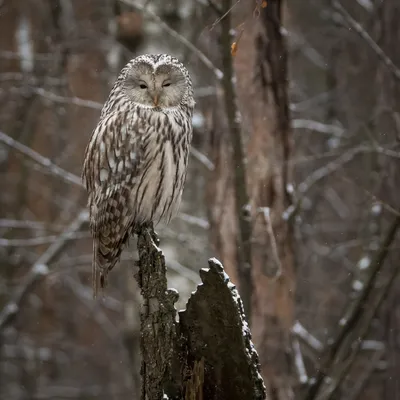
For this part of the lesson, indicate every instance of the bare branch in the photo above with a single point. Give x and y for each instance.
(362, 32)
(276, 271)
(215, 7)
(329, 169)
(43, 161)
(191, 219)
(172, 32)
(373, 345)
(36, 241)
(67, 100)
(183, 271)
(299, 362)
(363, 377)
(15, 223)
(317, 126)
(355, 322)
(83, 293)
(309, 51)
(38, 270)
(224, 13)
(205, 91)
(347, 354)
(203, 159)
(299, 330)
(366, 4)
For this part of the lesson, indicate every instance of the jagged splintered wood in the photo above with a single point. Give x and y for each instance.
(208, 353)
(213, 328)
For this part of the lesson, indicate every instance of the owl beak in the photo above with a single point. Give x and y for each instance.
(155, 100)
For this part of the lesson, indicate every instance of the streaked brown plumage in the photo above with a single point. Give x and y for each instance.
(136, 160)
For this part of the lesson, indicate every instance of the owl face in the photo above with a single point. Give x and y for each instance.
(155, 85)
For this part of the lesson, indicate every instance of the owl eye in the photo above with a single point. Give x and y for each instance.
(143, 86)
(166, 84)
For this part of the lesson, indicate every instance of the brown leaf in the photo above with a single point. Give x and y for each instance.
(234, 49)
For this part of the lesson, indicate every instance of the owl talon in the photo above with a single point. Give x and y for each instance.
(154, 236)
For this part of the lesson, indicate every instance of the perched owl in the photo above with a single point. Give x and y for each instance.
(136, 160)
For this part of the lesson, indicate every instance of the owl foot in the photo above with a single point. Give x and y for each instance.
(150, 230)
(153, 235)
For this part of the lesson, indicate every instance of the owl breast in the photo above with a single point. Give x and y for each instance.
(158, 194)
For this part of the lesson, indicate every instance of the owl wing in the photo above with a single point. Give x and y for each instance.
(113, 161)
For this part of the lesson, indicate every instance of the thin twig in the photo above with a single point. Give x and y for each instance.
(363, 377)
(277, 270)
(39, 240)
(26, 224)
(328, 169)
(172, 32)
(215, 7)
(38, 270)
(202, 158)
(95, 105)
(191, 219)
(38, 158)
(224, 14)
(299, 361)
(357, 312)
(362, 32)
(299, 330)
(183, 271)
(317, 126)
(348, 353)
(84, 295)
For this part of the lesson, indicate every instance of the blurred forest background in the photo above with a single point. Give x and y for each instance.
(318, 183)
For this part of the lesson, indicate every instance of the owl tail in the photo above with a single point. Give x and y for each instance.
(95, 268)
(100, 267)
(106, 253)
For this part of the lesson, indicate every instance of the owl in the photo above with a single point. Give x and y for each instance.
(136, 160)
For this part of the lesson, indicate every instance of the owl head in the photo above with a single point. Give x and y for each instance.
(157, 81)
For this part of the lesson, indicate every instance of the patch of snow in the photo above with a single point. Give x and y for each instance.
(198, 120)
(290, 188)
(24, 43)
(40, 269)
(214, 261)
(11, 308)
(44, 353)
(333, 142)
(376, 209)
(364, 263)
(357, 285)
(299, 330)
(367, 4)
(288, 212)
